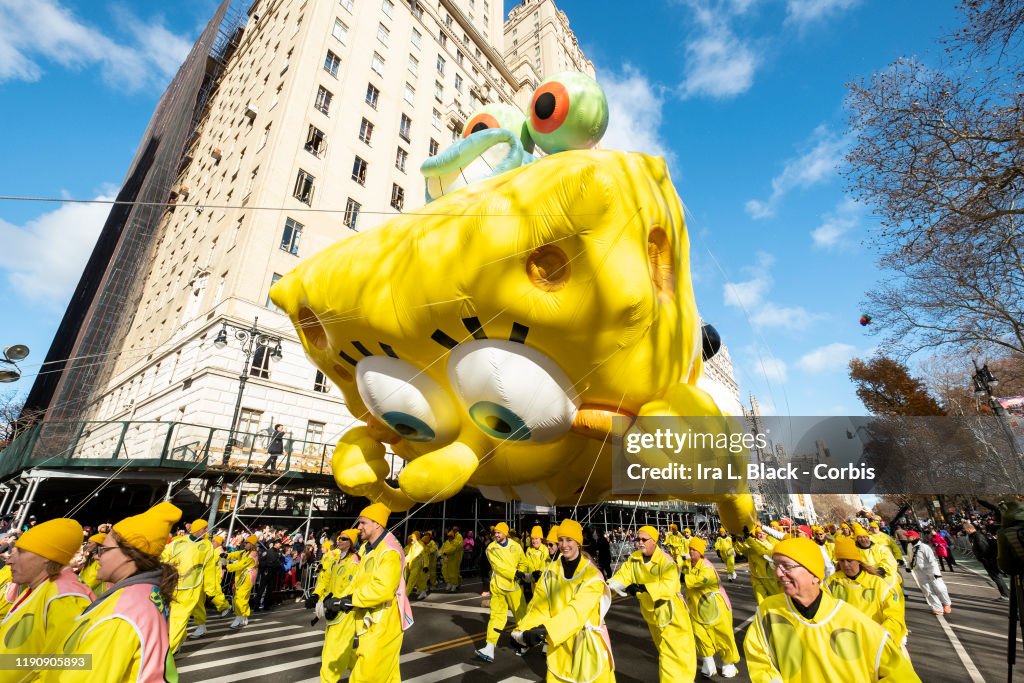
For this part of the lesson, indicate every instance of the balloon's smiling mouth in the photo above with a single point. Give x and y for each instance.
(479, 156)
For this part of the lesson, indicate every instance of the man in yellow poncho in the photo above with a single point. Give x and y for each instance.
(505, 557)
(758, 550)
(377, 599)
(536, 556)
(337, 654)
(726, 553)
(415, 567)
(567, 614)
(451, 554)
(881, 538)
(652, 576)
(430, 553)
(867, 592)
(243, 564)
(710, 613)
(821, 538)
(805, 635)
(52, 596)
(210, 588)
(675, 544)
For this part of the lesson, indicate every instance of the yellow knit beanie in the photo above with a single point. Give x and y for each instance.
(352, 535)
(846, 549)
(378, 512)
(502, 527)
(57, 540)
(98, 538)
(552, 536)
(252, 539)
(570, 528)
(536, 532)
(699, 544)
(651, 531)
(198, 527)
(804, 552)
(858, 530)
(149, 531)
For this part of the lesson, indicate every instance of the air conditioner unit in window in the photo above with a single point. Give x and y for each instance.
(216, 153)
(183, 191)
(250, 112)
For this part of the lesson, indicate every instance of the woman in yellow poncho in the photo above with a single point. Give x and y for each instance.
(567, 614)
(869, 593)
(243, 564)
(710, 614)
(338, 654)
(726, 553)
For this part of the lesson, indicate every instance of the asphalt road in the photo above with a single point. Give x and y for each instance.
(967, 646)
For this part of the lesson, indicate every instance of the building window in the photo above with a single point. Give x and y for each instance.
(458, 82)
(248, 424)
(416, 38)
(331, 63)
(440, 65)
(365, 131)
(438, 91)
(436, 116)
(397, 197)
(401, 156)
(340, 31)
(323, 100)
(448, 20)
(405, 128)
(442, 39)
(383, 34)
(377, 64)
(347, 4)
(303, 187)
(315, 144)
(352, 213)
(410, 93)
(319, 384)
(372, 94)
(273, 280)
(417, 10)
(414, 65)
(434, 147)
(458, 57)
(290, 237)
(260, 362)
(314, 429)
(359, 170)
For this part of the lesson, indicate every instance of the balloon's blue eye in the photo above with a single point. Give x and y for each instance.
(499, 422)
(408, 427)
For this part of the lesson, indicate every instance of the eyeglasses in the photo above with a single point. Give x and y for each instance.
(644, 540)
(104, 548)
(787, 569)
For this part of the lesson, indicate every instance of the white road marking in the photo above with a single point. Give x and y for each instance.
(243, 633)
(454, 608)
(248, 657)
(745, 622)
(1001, 636)
(288, 636)
(401, 660)
(972, 670)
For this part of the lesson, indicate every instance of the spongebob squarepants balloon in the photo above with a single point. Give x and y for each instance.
(491, 338)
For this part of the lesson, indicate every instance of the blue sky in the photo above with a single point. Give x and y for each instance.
(744, 97)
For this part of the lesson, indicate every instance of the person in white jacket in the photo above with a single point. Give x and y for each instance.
(926, 569)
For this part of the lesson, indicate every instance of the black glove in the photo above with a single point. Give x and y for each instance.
(634, 588)
(938, 576)
(332, 606)
(537, 575)
(535, 636)
(908, 570)
(311, 601)
(882, 572)
(521, 577)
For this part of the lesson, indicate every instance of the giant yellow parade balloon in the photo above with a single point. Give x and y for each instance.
(491, 337)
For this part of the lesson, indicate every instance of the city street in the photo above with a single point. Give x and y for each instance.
(965, 646)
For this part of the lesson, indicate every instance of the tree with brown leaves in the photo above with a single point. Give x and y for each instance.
(885, 387)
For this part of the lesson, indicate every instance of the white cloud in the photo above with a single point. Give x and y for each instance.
(45, 31)
(750, 296)
(634, 113)
(719, 64)
(815, 166)
(833, 231)
(828, 358)
(44, 258)
(804, 12)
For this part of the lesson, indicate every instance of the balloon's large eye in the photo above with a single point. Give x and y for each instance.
(499, 116)
(568, 111)
(406, 400)
(512, 392)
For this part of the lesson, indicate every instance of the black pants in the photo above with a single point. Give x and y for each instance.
(272, 462)
(945, 561)
(997, 579)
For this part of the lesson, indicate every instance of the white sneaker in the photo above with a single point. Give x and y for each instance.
(226, 611)
(707, 667)
(729, 671)
(237, 623)
(199, 632)
(422, 595)
(245, 621)
(486, 653)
